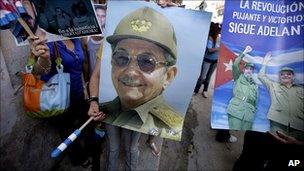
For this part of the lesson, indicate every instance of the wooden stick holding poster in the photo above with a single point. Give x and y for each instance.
(70, 139)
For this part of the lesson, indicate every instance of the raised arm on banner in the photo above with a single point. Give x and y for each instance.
(262, 73)
(236, 64)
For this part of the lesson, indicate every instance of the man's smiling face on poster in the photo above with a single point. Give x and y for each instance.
(143, 56)
(139, 71)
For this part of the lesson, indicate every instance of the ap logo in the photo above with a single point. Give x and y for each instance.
(293, 163)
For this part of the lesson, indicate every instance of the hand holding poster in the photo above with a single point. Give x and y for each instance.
(148, 58)
(261, 90)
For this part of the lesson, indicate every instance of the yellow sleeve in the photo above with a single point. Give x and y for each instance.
(99, 52)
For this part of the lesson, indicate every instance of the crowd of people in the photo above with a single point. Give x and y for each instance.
(82, 59)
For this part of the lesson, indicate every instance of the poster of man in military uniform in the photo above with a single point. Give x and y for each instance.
(286, 113)
(149, 66)
(242, 107)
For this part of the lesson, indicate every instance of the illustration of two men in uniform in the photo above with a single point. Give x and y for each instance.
(286, 112)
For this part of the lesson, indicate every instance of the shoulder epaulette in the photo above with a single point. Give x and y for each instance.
(168, 115)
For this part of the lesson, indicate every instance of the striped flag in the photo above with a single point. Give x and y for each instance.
(13, 16)
(10, 11)
(19, 7)
(66, 143)
(70, 139)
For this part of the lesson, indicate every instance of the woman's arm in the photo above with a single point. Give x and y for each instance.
(210, 46)
(94, 89)
(42, 53)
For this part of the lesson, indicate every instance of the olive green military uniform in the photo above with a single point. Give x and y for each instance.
(154, 117)
(286, 112)
(242, 107)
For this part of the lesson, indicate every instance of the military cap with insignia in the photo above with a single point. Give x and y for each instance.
(249, 64)
(146, 24)
(287, 69)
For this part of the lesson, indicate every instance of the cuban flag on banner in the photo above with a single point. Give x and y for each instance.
(10, 10)
(292, 58)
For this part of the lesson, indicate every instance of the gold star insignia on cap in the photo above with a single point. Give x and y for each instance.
(140, 25)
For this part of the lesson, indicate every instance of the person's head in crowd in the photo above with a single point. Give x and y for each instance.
(166, 3)
(248, 69)
(58, 12)
(79, 9)
(101, 14)
(162, 2)
(143, 56)
(215, 30)
(82, 8)
(286, 76)
(75, 10)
